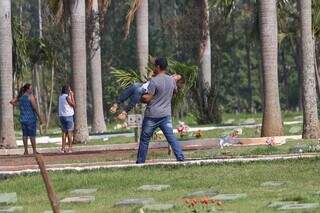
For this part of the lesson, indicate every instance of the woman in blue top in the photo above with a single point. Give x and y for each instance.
(28, 116)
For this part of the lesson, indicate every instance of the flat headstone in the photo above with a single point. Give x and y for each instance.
(299, 117)
(249, 121)
(300, 206)
(158, 207)
(317, 193)
(11, 209)
(83, 191)
(227, 197)
(273, 183)
(153, 187)
(201, 194)
(229, 121)
(298, 149)
(62, 211)
(295, 129)
(137, 202)
(79, 199)
(278, 204)
(7, 198)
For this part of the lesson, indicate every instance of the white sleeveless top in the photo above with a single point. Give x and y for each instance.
(145, 86)
(64, 108)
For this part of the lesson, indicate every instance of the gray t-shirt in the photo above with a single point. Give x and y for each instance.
(162, 88)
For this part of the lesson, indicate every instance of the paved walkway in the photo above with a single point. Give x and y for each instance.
(7, 172)
(205, 143)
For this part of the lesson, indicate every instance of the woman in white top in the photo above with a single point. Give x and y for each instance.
(66, 113)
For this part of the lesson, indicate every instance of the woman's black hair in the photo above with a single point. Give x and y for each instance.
(65, 89)
(23, 90)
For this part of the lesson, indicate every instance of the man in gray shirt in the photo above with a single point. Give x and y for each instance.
(158, 111)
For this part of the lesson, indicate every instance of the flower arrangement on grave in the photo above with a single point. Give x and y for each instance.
(203, 204)
(198, 134)
(183, 129)
(121, 126)
(270, 141)
(158, 136)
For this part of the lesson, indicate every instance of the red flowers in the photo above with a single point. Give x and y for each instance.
(203, 202)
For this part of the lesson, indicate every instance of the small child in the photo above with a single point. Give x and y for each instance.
(134, 94)
(230, 139)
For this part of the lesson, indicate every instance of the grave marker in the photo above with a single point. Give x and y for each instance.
(135, 121)
(137, 202)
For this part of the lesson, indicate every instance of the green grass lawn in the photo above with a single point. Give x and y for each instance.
(247, 133)
(302, 177)
(189, 119)
(291, 147)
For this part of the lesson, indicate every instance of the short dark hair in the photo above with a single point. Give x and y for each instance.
(162, 63)
(65, 89)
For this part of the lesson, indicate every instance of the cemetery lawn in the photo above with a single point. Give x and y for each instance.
(247, 133)
(301, 177)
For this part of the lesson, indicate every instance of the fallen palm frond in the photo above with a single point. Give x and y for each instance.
(130, 16)
(125, 77)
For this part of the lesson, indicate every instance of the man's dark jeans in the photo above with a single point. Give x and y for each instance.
(133, 93)
(149, 125)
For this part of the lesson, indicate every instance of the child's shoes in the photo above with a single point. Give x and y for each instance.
(122, 116)
(114, 108)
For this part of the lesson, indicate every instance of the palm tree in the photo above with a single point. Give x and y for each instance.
(142, 36)
(205, 49)
(272, 121)
(98, 124)
(78, 54)
(310, 110)
(6, 117)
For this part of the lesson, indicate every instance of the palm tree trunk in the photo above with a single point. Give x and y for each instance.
(204, 94)
(48, 115)
(249, 74)
(296, 47)
(142, 37)
(78, 55)
(206, 55)
(7, 135)
(310, 110)
(98, 124)
(272, 121)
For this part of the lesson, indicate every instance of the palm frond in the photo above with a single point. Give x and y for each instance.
(104, 6)
(316, 17)
(189, 73)
(125, 77)
(130, 16)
